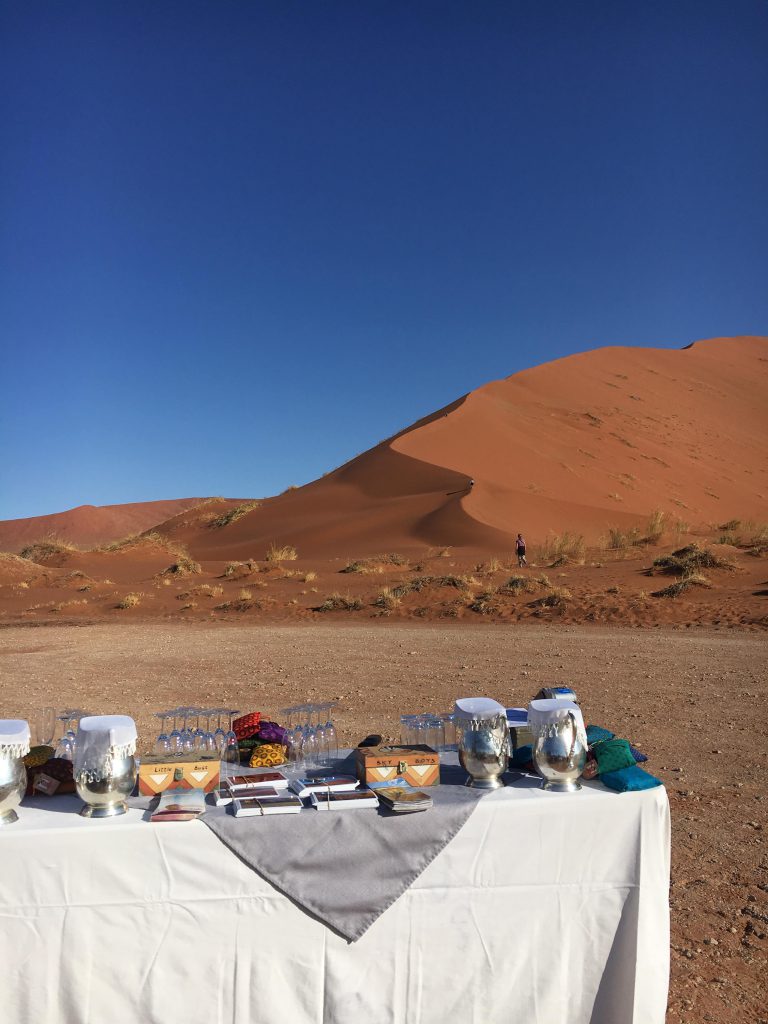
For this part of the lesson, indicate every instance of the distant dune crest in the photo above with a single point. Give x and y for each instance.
(595, 439)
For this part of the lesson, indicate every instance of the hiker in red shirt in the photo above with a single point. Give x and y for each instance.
(520, 548)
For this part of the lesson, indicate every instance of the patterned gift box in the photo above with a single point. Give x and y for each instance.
(415, 766)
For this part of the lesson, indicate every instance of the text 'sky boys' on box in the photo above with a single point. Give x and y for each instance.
(416, 766)
(156, 774)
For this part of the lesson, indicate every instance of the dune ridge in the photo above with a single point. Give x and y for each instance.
(581, 443)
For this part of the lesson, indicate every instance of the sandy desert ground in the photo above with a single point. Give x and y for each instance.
(695, 700)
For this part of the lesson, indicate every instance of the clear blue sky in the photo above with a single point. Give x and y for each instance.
(243, 241)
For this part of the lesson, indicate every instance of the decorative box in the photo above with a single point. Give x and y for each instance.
(415, 766)
(156, 774)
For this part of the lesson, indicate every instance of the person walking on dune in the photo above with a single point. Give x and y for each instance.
(520, 549)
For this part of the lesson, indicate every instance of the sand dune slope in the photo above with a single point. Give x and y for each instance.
(88, 525)
(592, 440)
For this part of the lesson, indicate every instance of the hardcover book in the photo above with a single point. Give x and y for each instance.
(260, 805)
(334, 783)
(179, 805)
(355, 800)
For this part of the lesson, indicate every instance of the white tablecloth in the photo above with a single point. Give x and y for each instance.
(545, 909)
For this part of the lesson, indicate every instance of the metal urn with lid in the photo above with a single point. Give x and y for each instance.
(481, 724)
(14, 744)
(559, 743)
(105, 768)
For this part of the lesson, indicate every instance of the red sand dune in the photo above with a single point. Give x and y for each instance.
(88, 525)
(582, 443)
(596, 439)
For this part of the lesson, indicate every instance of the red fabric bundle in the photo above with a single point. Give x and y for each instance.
(247, 725)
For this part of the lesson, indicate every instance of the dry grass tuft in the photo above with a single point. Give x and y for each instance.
(286, 553)
(183, 566)
(49, 547)
(375, 564)
(692, 579)
(233, 514)
(130, 601)
(654, 529)
(309, 576)
(543, 580)
(561, 549)
(489, 568)
(337, 602)
(730, 526)
(387, 599)
(139, 540)
(620, 540)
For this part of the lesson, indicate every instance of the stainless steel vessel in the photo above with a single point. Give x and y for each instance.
(104, 793)
(14, 744)
(105, 767)
(483, 741)
(559, 744)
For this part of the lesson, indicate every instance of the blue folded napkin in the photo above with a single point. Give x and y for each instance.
(628, 780)
(595, 734)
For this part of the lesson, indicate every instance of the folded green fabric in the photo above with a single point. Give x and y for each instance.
(612, 755)
(628, 780)
(596, 734)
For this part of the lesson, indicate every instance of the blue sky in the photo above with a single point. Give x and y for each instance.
(242, 242)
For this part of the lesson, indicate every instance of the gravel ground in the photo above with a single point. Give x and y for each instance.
(693, 700)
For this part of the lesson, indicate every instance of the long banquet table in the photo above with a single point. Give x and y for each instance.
(545, 909)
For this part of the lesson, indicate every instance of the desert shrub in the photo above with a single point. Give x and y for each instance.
(687, 560)
(362, 566)
(130, 601)
(543, 580)
(188, 605)
(243, 603)
(337, 602)
(240, 568)
(233, 514)
(692, 579)
(387, 599)
(727, 538)
(286, 553)
(42, 550)
(485, 603)
(183, 566)
(559, 549)
(309, 576)
(518, 585)
(613, 590)
(730, 526)
(556, 598)
(757, 543)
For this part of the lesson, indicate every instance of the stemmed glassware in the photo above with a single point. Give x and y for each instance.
(163, 745)
(177, 746)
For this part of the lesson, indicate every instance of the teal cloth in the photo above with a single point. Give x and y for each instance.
(629, 780)
(613, 755)
(596, 734)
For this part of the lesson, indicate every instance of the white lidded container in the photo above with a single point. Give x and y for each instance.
(14, 744)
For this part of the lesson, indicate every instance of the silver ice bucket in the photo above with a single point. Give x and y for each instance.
(559, 743)
(483, 744)
(14, 744)
(105, 767)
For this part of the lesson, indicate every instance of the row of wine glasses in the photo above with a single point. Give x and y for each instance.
(435, 731)
(312, 744)
(70, 719)
(197, 731)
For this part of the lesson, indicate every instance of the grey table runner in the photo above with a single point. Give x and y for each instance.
(346, 867)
